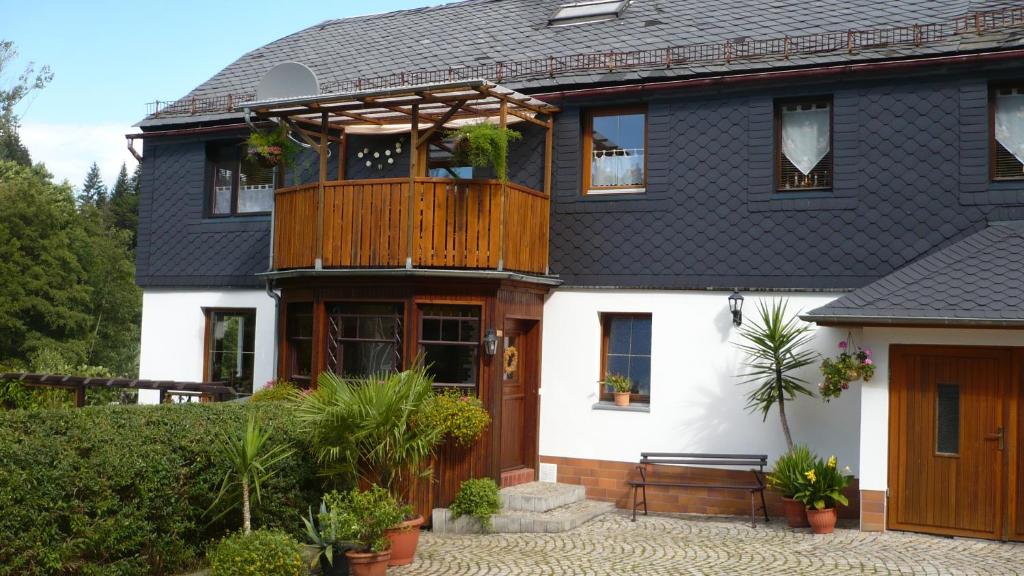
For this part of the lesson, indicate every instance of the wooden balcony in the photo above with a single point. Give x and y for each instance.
(441, 223)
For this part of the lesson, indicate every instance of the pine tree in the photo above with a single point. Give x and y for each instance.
(123, 210)
(94, 192)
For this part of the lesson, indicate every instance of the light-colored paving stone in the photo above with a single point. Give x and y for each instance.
(669, 545)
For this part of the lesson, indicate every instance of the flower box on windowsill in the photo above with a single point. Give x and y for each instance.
(610, 405)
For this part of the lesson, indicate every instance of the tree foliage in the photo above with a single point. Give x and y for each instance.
(11, 95)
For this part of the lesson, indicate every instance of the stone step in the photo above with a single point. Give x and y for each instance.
(560, 519)
(540, 496)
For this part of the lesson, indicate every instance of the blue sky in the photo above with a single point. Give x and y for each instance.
(110, 58)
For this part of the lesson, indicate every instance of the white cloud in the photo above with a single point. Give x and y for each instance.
(69, 149)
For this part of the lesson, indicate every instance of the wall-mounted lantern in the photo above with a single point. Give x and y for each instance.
(490, 342)
(736, 307)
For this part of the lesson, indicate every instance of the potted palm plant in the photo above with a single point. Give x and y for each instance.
(375, 432)
(821, 491)
(621, 386)
(786, 477)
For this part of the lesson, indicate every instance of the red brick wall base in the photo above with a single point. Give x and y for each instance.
(872, 510)
(606, 480)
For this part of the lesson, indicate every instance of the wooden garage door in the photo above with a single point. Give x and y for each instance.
(948, 469)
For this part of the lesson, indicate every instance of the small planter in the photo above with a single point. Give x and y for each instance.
(622, 398)
(822, 521)
(404, 540)
(796, 513)
(368, 563)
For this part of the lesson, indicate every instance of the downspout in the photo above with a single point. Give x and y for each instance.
(270, 281)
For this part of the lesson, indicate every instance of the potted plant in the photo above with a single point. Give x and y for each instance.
(272, 148)
(845, 368)
(322, 531)
(821, 490)
(462, 419)
(786, 477)
(621, 386)
(362, 518)
(376, 432)
(484, 145)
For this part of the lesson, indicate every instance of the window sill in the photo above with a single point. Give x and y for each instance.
(610, 406)
(614, 191)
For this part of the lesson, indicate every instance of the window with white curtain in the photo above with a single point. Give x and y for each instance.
(236, 184)
(1007, 133)
(615, 144)
(804, 144)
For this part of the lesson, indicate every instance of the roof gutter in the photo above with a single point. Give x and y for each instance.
(190, 131)
(412, 272)
(810, 73)
(911, 321)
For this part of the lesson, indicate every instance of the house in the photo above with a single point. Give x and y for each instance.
(861, 159)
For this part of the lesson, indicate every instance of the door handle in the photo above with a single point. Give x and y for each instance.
(997, 436)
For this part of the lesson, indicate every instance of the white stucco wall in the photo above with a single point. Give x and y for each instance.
(874, 440)
(697, 403)
(173, 333)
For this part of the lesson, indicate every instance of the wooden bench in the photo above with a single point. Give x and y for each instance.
(688, 459)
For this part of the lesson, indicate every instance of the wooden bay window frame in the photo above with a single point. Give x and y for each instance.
(605, 319)
(785, 170)
(422, 306)
(588, 150)
(1003, 166)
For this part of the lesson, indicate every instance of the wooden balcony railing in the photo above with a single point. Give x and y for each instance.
(456, 224)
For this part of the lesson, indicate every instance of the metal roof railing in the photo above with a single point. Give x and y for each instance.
(703, 54)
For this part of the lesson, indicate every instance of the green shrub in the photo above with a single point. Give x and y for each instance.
(461, 418)
(259, 553)
(361, 517)
(123, 489)
(787, 475)
(477, 497)
(280, 391)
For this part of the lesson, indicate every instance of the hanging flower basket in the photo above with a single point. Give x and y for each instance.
(845, 368)
(270, 149)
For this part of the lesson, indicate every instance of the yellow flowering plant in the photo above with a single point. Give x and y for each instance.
(822, 485)
(460, 418)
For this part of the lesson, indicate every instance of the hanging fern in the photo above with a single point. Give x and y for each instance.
(271, 148)
(485, 145)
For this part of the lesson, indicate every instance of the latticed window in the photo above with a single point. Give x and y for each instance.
(299, 334)
(1007, 105)
(804, 145)
(626, 351)
(364, 339)
(450, 344)
(615, 143)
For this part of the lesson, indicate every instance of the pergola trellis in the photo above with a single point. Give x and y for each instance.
(421, 111)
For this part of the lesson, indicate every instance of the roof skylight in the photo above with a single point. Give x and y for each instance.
(589, 11)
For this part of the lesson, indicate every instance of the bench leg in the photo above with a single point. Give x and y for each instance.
(753, 510)
(645, 499)
(764, 508)
(634, 503)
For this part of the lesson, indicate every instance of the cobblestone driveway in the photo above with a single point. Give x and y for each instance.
(612, 545)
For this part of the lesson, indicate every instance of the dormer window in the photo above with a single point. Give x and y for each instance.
(586, 12)
(236, 185)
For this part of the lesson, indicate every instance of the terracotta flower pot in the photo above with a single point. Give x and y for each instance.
(404, 540)
(622, 398)
(822, 521)
(368, 563)
(796, 513)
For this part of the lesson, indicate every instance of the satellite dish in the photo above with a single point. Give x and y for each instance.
(288, 80)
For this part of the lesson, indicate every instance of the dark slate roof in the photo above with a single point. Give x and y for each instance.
(476, 32)
(976, 281)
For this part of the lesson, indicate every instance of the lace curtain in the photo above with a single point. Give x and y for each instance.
(1010, 123)
(805, 138)
(618, 167)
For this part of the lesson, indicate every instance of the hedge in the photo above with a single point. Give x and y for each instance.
(122, 490)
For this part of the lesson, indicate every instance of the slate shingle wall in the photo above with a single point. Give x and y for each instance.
(910, 176)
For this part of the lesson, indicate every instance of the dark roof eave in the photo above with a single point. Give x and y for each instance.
(546, 280)
(914, 321)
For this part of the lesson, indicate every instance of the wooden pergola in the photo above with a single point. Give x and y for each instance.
(421, 111)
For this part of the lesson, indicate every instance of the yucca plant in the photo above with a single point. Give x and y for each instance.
(776, 349)
(250, 462)
(787, 474)
(372, 430)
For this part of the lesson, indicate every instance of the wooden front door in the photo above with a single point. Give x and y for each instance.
(948, 412)
(518, 394)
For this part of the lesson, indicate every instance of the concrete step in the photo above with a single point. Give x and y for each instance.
(561, 519)
(540, 496)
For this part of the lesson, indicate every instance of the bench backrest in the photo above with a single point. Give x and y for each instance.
(687, 458)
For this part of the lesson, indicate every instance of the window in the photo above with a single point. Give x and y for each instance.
(804, 145)
(589, 11)
(947, 419)
(238, 186)
(364, 339)
(450, 344)
(230, 347)
(299, 334)
(626, 351)
(614, 143)
(1007, 104)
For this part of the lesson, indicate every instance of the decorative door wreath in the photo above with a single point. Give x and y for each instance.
(510, 360)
